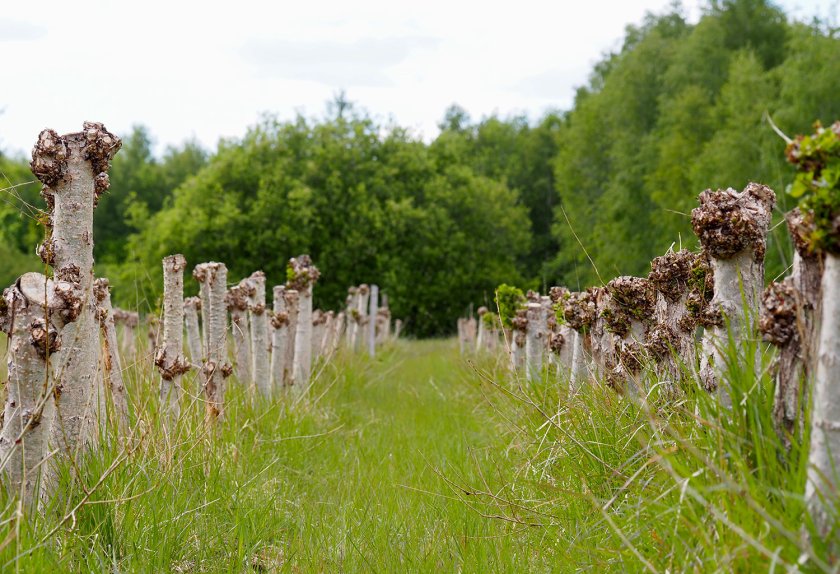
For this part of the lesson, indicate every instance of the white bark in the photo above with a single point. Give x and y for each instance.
(169, 357)
(236, 300)
(340, 322)
(318, 321)
(293, 310)
(112, 367)
(535, 341)
(824, 456)
(279, 338)
(191, 306)
(732, 226)
(200, 274)
(32, 339)
(74, 170)
(326, 340)
(373, 313)
(259, 334)
(215, 369)
(352, 316)
(579, 362)
(481, 339)
(364, 295)
(303, 342)
(397, 328)
(738, 282)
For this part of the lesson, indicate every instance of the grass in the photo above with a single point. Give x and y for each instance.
(419, 461)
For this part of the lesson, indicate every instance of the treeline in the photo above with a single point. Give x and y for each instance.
(598, 190)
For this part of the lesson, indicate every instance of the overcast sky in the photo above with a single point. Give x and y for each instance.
(208, 70)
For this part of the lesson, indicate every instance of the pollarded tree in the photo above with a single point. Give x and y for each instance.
(817, 186)
(74, 171)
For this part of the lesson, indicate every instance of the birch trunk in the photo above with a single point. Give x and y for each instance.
(216, 368)
(397, 328)
(517, 352)
(169, 357)
(535, 341)
(579, 311)
(671, 341)
(461, 338)
(191, 307)
(318, 319)
(732, 227)
(303, 341)
(112, 367)
(236, 300)
(824, 456)
(74, 170)
(352, 316)
(259, 334)
(326, 342)
(25, 313)
(279, 338)
(340, 321)
(481, 339)
(200, 275)
(292, 308)
(364, 296)
(373, 313)
(788, 321)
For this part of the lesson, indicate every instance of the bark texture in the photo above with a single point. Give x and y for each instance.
(169, 357)
(27, 312)
(260, 344)
(236, 301)
(292, 309)
(73, 169)
(373, 314)
(302, 276)
(129, 321)
(535, 340)
(192, 305)
(279, 337)
(732, 226)
(824, 456)
(216, 369)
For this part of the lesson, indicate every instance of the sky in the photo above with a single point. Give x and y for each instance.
(207, 70)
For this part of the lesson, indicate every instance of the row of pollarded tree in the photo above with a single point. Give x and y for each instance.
(65, 388)
(681, 322)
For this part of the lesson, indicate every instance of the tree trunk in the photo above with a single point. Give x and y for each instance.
(670, 342)
(74, 169)
(732, 227)
(191, 307)
(352, 316)
(787, 320)
(216, 368)
(259, 334)
(824, 457)
(169, 357)
(279, 338)
(236, 301)
(364, 296)
(303, 341)
(112, 371)
(200, 275)
(293, 309)
(373, 314)
(33, 338)
(535, 341)
(397, 328)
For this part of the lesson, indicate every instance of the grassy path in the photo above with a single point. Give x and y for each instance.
(373, 501)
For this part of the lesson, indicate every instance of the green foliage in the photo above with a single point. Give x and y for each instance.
(817, 184)
(509, 300)
(369, 205)
(679, 109)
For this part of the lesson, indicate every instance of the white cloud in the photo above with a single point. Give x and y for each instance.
(206, 69)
